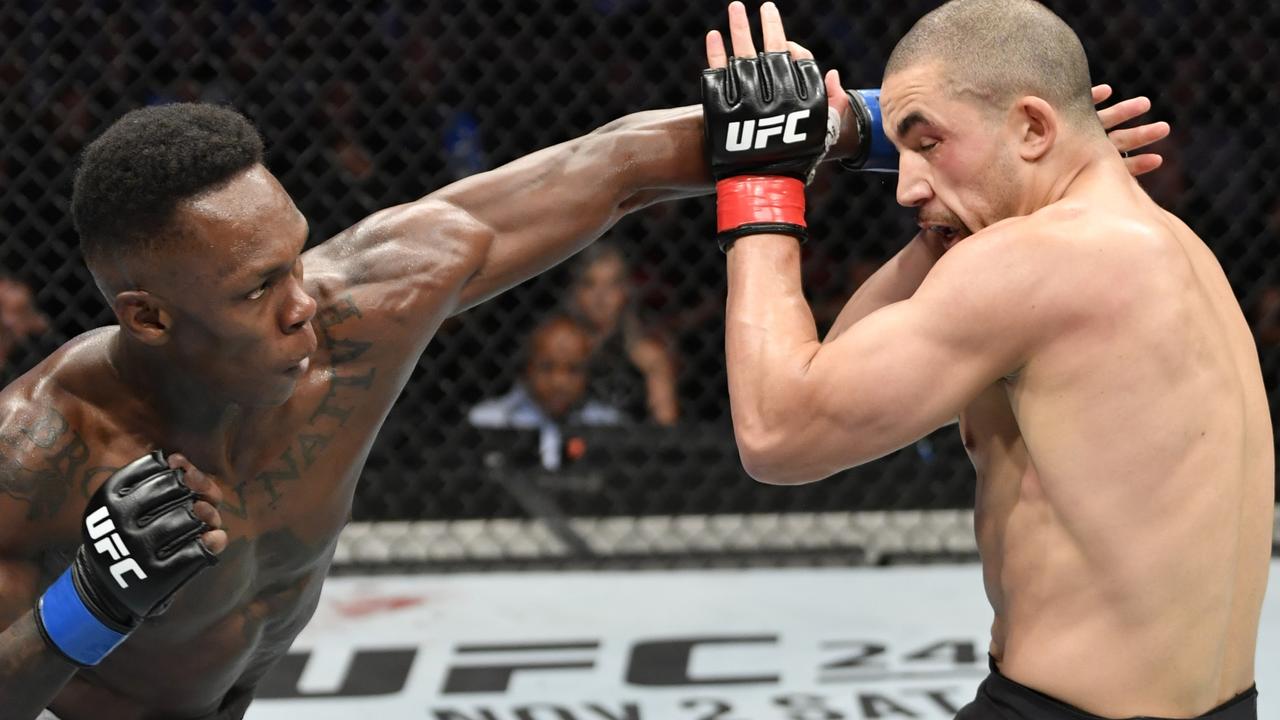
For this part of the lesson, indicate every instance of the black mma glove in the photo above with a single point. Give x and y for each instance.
(141, 543)
(767, 128)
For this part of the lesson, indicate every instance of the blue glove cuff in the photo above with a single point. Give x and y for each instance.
(71, 627)
(878, 154)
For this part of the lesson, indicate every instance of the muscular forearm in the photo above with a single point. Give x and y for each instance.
(547, 206)
(655, 156)
(770, 337)
(895, 281)
(533, 213)
(31, 674)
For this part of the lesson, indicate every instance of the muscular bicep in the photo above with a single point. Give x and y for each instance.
(909, 368)
(902, 372)
(415, 264)
(892, 282)
(409, 267)
(384, 285)
(539, 209)
(47, 471)
(546, 206)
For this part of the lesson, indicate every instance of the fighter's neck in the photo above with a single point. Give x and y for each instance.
(1078, 175)
(174, 410)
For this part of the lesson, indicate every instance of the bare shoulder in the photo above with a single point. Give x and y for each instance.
(429, 240)
(1038, 277)
(52, 420)
(1064, 252)
(392, 278)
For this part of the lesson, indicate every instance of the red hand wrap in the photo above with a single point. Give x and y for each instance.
(749, 199)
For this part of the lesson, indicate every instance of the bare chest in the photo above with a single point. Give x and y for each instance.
(228, 625)
(282, 509)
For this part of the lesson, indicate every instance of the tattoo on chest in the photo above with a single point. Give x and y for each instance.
(275, 556)
(54, 458)
(341, 397)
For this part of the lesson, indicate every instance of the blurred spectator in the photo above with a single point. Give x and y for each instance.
(1266, 317)
(342, 112)
(552, 391)
(19, 317)
(629, 368)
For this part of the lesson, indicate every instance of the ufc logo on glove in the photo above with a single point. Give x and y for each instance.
(740, 132)
(747, 108)
(83, 615)
(99, 524)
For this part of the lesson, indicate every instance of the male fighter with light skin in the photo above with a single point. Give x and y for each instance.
(1105, 380)
(271, 380)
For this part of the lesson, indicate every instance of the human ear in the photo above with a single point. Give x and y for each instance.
(143, 316)
(1037, 125)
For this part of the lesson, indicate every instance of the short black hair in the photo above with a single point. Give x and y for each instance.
(999, 50)
(132, 177)
(544, 324)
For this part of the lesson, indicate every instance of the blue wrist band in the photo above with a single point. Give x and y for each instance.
(878, 155)
(71, 627)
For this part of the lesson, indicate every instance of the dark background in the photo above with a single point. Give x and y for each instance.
(373, 106)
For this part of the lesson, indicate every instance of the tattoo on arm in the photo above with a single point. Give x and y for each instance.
(54, 456)
(93, 477)
(326, 420)
(341, 309)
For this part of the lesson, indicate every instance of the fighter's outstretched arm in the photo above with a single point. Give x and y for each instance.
(416, 263)
(408, 267)
(534, 212)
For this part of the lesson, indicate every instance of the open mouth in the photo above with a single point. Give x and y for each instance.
(947, 235)
(299, 369)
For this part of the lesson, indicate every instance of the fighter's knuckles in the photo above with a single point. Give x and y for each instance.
(206, 513)
(197, 481)
(213, 494)
(215, 541)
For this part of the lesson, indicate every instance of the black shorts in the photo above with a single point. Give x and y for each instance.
(1000, 698)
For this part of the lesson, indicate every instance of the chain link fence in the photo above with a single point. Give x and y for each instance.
(370, 104)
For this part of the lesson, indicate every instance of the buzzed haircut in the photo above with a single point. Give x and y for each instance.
(132, 177)
(1000, 50)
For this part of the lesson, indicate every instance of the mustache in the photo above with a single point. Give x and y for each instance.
(941, 218)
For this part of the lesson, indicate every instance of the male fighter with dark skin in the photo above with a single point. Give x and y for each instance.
(1105, 380)
(271, 370)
